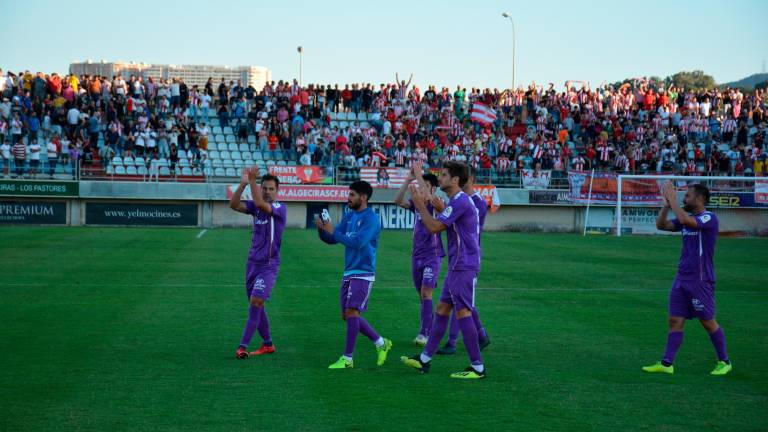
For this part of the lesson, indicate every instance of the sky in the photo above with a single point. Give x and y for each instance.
(446, 42)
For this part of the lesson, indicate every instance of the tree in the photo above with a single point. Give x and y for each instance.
(761, 86)
(695, 80)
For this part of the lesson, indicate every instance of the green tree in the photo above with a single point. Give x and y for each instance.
(694, 80)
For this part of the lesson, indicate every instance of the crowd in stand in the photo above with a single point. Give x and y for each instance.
(636, 127)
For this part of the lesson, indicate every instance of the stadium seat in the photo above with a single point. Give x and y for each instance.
(213, 154)
(251, 139)
(243, 147)
(334, 124)
(219, 172)
(230, 172)
(214, 121)
(247, 156)
(186, 171)
(231, 139)
(270, 162)
(117, 160)
(228, 130)
(183, 162)
(236, 155)
(343, 125)
(239, 171)
(110, 169)
(216, 130)
(131, 170)
(217, 163)
(119, 170)
(139, 161)
(142, 170)
(238, 163)
(281, 163)
(232, 147)
(165, 171)
(225, 155)
(128, 161)
(257, 156)
(162, 162)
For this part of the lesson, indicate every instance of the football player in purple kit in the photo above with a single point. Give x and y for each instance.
(263, 263)
(453, 328)
(358, 231)
(427, 252)
(461, 221)
(693, 291)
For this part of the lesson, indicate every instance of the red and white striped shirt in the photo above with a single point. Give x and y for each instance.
(578, 163)
(605, 152)
(503, 164)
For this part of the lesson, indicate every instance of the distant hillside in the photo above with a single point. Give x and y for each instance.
(749, 82)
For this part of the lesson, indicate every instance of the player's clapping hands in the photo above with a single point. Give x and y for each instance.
(669, 194)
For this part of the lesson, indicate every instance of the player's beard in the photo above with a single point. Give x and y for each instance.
(353, 205)
(688, 207)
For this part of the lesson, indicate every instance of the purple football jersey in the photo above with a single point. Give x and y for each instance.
(267, 233)
(482, 208)
(696, 257)
(425, 244)
(463, 222)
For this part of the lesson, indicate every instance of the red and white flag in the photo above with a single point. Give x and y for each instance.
(483, 114)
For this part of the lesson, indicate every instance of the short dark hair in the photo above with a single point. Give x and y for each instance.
(702, 191)
(268, 177)
(362, 187)
(431, 179)
(457, 169)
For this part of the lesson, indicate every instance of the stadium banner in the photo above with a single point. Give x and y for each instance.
(761, 191)
(549, 197)
(300, 193)
(634, 220)
(304, 174)
(533, 179)
(313, 212)
(605, 189)
(97, 213)
(384, 177)
(39, 188)
(491, 196)
(394, 217)
(719, 199)
(33, 212)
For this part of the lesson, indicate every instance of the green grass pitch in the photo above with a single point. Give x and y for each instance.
(135, 329)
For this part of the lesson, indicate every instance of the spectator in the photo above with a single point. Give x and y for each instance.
(19, 157)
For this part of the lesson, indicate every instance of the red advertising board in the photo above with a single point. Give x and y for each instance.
(303, 174)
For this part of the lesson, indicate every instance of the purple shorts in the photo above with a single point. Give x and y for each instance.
(425, 272)
(459, 289)
(354, 293)
(259, 281)
(692, 299)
